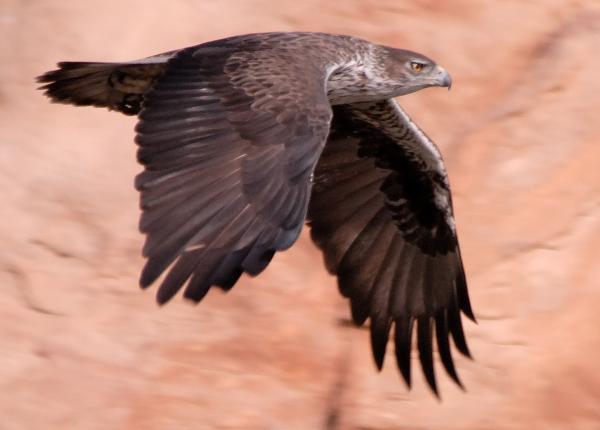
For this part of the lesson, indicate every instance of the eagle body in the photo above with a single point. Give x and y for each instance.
(244, 140)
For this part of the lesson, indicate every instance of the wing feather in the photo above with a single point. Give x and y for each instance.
(381, 212)
(227, 169)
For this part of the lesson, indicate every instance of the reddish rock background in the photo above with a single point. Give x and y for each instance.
(83, 348)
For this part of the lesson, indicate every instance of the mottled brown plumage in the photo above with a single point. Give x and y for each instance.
(244, 139)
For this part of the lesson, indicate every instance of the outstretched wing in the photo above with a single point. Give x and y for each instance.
(229, 138)
(382, 214)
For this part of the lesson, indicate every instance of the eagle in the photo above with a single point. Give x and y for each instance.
(243, 140)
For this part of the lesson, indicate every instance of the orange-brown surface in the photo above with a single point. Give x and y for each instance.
(83, 348)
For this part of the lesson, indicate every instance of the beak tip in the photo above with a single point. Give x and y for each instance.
(444, 79)
(448, 81)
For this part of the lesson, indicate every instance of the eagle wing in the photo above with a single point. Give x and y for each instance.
(381, 212)
(229, 138)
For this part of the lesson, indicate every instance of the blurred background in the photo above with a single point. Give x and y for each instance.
(83, 348)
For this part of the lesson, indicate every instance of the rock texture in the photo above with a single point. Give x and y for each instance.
(84, 348)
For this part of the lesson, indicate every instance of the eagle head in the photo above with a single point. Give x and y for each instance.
(412, 71)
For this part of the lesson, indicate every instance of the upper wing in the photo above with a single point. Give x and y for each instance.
(382, 214)
(229, 140)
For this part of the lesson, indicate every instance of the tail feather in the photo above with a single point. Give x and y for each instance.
(78, 83)
(116, 86)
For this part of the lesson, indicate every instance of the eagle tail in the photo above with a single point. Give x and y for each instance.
(80, 83)
(116, 86)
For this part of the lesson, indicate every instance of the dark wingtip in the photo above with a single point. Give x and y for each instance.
(441, 331)
(425, 346)
(359, 312)
(465, 305)
(166, 290)
(458, 335)
(160, 300)
(462, 292)
(471, 316)
(403, 337)
(380, 329)
(148, 275)
(196, 290)
(164, 294)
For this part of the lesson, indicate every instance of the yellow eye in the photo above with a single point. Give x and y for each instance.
(417, 67)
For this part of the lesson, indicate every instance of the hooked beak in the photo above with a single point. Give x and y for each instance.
(443, 78)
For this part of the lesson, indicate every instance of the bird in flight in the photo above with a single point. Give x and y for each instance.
(245, 139)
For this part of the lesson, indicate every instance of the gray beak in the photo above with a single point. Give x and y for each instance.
(443, 78)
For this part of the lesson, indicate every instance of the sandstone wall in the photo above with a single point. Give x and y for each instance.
(83, 348)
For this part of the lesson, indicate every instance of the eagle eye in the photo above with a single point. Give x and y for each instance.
(416, 66)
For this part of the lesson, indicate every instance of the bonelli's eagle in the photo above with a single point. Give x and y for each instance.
(245, 139)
